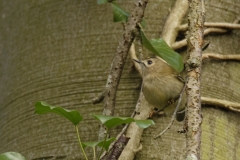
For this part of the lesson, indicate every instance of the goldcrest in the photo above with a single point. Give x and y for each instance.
(161, 84)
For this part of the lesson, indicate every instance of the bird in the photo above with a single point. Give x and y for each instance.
(161, 85)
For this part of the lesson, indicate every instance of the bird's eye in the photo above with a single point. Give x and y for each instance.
(149, 62)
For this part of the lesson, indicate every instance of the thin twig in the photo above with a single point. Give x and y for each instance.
(183, 43)
(221, 57)
(179, 44)
(234, 109)
(214, 30)
(184, 27)
(221, 103)
(217, 27)
(174, 114)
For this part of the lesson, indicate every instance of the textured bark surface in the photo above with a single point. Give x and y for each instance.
(119, 60)
(61, 51)
(195, 41)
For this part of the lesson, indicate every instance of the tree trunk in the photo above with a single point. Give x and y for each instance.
(60, 52)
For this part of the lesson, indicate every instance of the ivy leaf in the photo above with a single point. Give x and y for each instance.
(112, 121)
(90, 144)
(101, 143)
(161, 49)
(144, 123)
(102, 1)
(72, 115)
(11, 156)
(107, 143)
(168, 54)
(119, 15)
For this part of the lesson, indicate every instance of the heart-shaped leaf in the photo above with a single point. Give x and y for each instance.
(161, 49)
(107, 143)
(103, 144)
(90, 144)
(144, 123)
(112, 121)
(72, 115)
(11, 156)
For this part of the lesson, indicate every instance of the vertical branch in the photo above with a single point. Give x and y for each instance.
(134, 132)
(143, 108)
(119, 61)
(170, 30)
(193, 121)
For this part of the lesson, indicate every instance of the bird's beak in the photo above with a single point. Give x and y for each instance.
(137, 61)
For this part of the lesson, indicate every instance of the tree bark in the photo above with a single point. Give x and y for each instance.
(60, 52)
(193, 115)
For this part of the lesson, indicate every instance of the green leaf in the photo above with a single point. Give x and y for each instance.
(119, 15)
(144, 123)
(112, 121)
(102, 1)
(168, 54)
(72, 115)
(107, 143)
(99, 143)
(161, 49)
(146, 43)
(143, 23)
(11, 156)
(90, 144)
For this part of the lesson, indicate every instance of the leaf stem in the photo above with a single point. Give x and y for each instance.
(103, 144)
(80, 143)
(94, 153)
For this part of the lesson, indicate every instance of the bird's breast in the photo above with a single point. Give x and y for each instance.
(158, 91)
